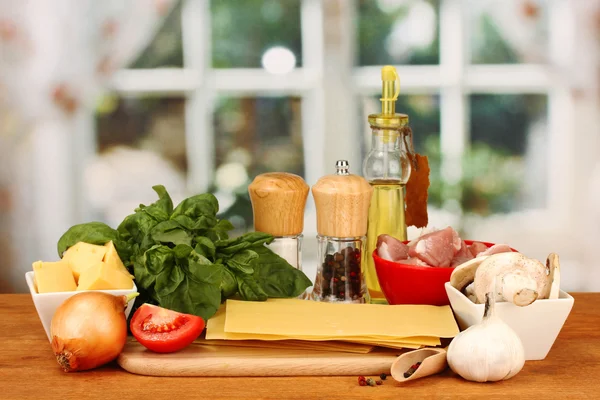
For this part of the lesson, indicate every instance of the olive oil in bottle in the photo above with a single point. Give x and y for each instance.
(386, 215)
(387, 168)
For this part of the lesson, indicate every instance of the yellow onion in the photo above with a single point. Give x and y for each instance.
(89, 329)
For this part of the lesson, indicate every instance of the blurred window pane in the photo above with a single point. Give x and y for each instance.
(165, 49)
(253, 136)
(242, 31)
(505, 169)
(263, 133)
(398, 32)
(141, 143)
(508, 31)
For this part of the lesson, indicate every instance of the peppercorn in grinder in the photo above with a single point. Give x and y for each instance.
(278, 203)
(342, 203)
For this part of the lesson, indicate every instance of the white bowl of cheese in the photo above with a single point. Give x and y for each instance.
(84, 267)
(47, 303)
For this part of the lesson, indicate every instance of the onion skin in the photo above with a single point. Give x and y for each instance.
(89, 330)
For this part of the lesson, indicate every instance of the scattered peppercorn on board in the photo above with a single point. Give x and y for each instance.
(209, 360)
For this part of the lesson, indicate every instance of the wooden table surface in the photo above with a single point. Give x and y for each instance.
(28, 370)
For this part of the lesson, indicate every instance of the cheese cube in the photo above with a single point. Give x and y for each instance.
(82, 256)
(112, 259)
(53, 277)
(101, 277)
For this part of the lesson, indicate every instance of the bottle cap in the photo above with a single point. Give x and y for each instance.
(390, 89)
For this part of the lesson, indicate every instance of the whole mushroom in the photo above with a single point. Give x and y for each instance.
(522, 280)
(463, 275)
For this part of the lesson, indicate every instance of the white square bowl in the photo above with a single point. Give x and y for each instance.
(47, 303)
(537, 324)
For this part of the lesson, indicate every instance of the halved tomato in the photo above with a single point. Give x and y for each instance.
(164, 331)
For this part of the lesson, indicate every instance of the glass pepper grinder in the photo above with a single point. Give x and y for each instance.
(342, 203)
(387, 168)
(278, 203)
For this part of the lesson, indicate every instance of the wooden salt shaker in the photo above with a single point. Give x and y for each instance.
(342, 201)
(278, 202)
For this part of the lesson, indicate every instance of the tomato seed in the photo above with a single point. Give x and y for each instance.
(148, 325)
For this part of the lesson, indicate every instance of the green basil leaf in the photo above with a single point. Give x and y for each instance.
(156, 213)
(276, 277)
(157, 258)
(199, 293)
(214, 234)
(170, 232)
(195, 207)
(242, 261)
(198, 258)
(193, 296)
(168, 280)
(195, 224)
(144, 280)
(150, 265)
(248, 239)
(137, 226)
(249, 289)
(197, 261)
(229, 285)
(92, 232)
(163, 207)
(232, 248)
(182, 251)
(205, 247)
(223, 226)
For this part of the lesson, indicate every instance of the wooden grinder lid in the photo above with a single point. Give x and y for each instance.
(342, 201)
(278, 202)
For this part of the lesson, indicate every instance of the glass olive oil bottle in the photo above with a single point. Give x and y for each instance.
(387, 168)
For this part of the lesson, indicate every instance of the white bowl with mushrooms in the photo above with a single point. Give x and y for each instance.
(528, 297)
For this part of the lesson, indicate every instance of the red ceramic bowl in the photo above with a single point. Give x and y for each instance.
(414, 284)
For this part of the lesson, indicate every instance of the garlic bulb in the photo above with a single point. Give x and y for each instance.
(488, 351)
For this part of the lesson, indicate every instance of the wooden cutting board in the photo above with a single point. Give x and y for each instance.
(211, 360)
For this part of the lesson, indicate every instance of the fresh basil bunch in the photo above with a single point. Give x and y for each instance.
(183, 259)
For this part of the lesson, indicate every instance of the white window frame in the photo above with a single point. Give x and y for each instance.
(328, 84)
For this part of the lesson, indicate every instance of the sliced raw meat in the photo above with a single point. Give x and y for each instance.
(463, 255)
(424, 231)
(437, 248)
(463, 251)
(415, 261)
(412, 246)
(495, 249)
(477, 247)
(456, 241)
(390, 248)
